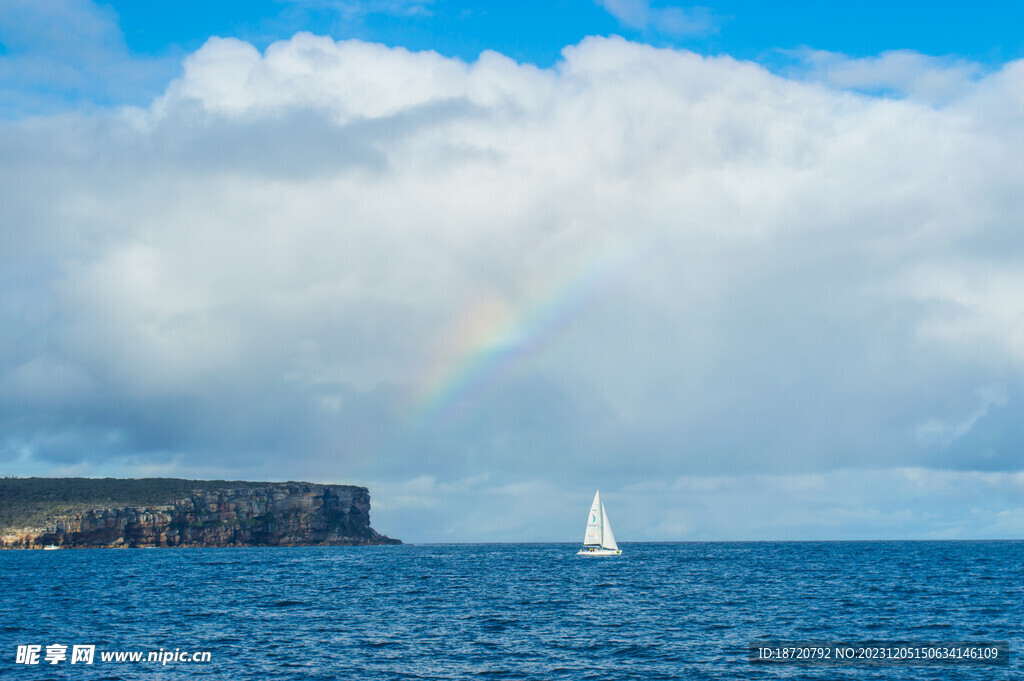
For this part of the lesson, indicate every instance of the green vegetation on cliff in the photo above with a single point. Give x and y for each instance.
(30, 502)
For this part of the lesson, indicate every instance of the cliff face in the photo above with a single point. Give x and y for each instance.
(285, 514)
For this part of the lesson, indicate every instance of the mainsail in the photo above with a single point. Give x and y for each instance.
(599, 530)
(594, 522)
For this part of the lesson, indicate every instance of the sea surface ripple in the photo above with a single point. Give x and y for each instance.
(508, 611)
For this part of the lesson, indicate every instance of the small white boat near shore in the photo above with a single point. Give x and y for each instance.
(50, 547)
(599, 539)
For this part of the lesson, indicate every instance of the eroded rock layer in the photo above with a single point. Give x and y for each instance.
(277, 514)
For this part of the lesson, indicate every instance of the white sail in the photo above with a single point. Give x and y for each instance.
(607, 537)
(594, 522)
(599, 539)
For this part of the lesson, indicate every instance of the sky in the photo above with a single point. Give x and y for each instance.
(756, 272)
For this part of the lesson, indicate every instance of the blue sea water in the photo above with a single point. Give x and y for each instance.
(507, 611)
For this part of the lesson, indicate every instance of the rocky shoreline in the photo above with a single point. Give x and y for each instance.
(265, 514)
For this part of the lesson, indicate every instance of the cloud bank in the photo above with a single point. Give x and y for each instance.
(344, 261)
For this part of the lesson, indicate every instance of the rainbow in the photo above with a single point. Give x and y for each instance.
(491, 337)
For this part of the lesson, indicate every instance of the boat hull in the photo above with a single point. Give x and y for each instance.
(599, 552)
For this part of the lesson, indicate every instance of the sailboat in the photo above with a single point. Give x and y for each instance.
(599, 540)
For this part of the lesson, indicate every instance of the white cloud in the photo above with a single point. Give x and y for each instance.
(339, 260)
(356, 8)
(898, 72)
(977, 307)
(639, 14)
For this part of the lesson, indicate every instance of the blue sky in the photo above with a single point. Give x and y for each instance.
(753, 271)
(537, 31)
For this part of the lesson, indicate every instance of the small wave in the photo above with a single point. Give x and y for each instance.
(634, 651)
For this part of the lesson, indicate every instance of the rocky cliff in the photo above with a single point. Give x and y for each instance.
(264, 514)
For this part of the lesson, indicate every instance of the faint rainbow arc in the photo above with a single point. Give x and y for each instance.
(499, 344)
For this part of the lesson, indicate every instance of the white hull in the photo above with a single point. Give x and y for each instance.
(599, 552)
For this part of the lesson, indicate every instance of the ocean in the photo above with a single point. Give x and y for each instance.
(505, 611)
